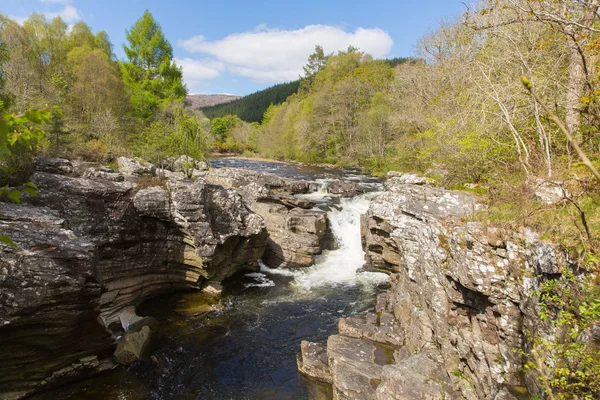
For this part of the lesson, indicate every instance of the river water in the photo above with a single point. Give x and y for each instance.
(247, 348)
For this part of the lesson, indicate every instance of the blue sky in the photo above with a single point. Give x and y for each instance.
(241, 46)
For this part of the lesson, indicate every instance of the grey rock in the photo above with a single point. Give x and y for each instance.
(296, 232)
(312, 361)
(420, 377)
(549, 192)
(344, 188)
(128, 166)
(53, 165)
(132, 345)
(354, 372)
(105, 173)
(90, 250)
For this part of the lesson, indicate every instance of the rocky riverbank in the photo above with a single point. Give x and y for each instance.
(93, 246)
(98, 242)
(452, 325)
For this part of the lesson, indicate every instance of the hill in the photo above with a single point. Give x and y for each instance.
(205, 100)
(251, 108)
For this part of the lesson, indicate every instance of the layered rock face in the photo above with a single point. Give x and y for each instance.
(296, 231)
(452, 324)
(90, 250)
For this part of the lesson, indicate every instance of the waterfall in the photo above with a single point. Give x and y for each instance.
(340, 266)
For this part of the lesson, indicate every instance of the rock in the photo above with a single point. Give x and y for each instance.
(345, 188)
(105, 173)
(131, 346)
(397, 178)
(135, 167)
(296, 232)
(420, 377)
(312, 361)
(153, 202)
(182, 163)
(355, 374)
(463, 286)
(549, 192)
(381, 328)
(49, 303)
(53, 165)
(90, 250)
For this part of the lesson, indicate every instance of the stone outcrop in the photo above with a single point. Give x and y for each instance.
(453, 321)
(90, 250)
(297, 232)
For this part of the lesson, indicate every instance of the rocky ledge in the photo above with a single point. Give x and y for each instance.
(297, 231)
(453, 322)
(90, 249)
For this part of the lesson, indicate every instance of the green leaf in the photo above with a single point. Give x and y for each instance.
(7, 241)
(15, 196)
(30, 191)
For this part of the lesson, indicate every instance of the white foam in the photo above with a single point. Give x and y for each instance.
(340, 266)
(260, 280)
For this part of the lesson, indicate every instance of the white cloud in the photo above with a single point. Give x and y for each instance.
(69, 14)
(196, 71)
(269, 55)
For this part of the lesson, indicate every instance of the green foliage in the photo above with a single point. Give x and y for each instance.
(571, 305)
(252, 108)
(150, 73)
(178, 132)
(341, 118)
(222, 127)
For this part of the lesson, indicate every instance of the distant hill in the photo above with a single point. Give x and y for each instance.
(251, 108)
(204, 100)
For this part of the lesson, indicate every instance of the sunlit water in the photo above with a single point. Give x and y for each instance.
(247, 349)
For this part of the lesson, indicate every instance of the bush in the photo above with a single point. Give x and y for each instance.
(18, 167)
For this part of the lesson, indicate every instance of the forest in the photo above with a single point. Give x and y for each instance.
(252, 108)
(501, 100)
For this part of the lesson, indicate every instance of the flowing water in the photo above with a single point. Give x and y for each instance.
(247, 349)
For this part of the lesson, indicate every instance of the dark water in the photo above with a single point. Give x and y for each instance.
(247, 348)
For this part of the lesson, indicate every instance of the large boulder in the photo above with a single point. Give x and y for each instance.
(296, 231)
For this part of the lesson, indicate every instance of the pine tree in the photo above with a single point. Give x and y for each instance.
(150, 74)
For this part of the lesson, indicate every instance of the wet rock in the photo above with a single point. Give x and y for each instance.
(345, 188)
(53, 165)
(131, 346)
(312, 361)
(128, 167)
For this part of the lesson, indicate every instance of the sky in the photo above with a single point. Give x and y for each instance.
(239, 47)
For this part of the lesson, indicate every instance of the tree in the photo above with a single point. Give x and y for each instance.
(150, 74)
(316, 63)
(221, 127)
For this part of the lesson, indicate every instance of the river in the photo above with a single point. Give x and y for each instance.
(247, 349)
